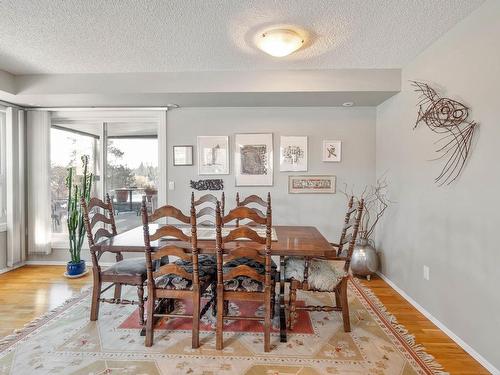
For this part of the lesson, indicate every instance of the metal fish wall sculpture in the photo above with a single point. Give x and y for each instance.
(450, 118)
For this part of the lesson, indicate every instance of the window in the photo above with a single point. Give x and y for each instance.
(129, 151)
(67, 149)
(131, 173)
(3, 187)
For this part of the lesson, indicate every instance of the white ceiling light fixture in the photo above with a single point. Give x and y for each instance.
(279, 42)
(348, 104)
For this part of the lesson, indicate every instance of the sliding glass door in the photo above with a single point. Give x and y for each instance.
(131, 174)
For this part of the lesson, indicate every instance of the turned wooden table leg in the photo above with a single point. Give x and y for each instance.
(282, 300)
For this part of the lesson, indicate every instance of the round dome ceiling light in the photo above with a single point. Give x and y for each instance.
(279, 42)
(347, 104)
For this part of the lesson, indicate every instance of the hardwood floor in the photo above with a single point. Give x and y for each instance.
(28, 292)
(451, 356)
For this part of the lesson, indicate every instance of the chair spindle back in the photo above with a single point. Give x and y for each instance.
(252, 201)
(207, 210)
(92, 217)
(188, 253)
(251, 251)
(350, 230)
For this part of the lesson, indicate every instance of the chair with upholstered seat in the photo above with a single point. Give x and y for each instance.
(245, 272)
(186, 278)
(124, 272)
(255, 202)
(326, 274)
(205, 208)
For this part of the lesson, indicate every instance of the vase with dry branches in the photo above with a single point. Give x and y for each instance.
(376, 203)
(364, 259)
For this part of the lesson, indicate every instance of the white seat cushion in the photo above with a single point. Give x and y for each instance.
(323, 275)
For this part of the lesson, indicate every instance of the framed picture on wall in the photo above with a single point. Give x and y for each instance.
(183, 155)
(213, 155)
(332, 151)
(311, 184)
(293, 154)
(253, 159)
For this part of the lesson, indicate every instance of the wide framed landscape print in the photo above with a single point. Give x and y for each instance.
(311, 184)
(293, 154)
(183, 155)
(253, 159)
(332, 151)
(213, 155)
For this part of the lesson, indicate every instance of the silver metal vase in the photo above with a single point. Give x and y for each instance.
(364, 259)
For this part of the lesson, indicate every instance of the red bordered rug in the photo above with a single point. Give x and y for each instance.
(64, 341)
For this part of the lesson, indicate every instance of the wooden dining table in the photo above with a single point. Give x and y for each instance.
(300, 241)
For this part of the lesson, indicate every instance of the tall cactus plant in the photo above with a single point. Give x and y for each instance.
(77, 187)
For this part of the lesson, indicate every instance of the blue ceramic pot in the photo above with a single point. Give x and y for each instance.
(75, 269)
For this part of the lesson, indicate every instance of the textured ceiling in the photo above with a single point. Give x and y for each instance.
(110, 36)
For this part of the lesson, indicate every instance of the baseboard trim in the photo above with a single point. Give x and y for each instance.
(7, 269)
(478, 357)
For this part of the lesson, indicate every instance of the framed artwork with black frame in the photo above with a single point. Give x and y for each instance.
(183, 155)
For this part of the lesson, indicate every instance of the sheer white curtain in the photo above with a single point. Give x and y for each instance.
(38, 163)
(14, 158)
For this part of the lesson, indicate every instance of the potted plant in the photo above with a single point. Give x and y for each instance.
(77, 187)
(122, 195)
(149, 191)
(364, 259)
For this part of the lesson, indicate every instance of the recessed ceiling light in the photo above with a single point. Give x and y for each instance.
(279, 42)
(347, 104)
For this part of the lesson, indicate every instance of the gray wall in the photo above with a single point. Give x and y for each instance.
(354, 126)
(452, 229)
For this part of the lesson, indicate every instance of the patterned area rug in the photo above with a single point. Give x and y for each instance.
(64, 341)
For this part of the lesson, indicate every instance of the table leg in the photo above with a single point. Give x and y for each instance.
(282, 300)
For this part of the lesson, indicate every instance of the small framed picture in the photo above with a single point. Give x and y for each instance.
(293, 154)
(213, 155)
(332, 151)
(253, 159)
(311, 184)
(183, 155)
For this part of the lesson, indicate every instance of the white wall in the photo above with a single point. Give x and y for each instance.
(354, 126)
(452, 229)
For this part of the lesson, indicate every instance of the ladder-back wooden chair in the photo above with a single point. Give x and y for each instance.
(322, 275)
(124, 272)
(245, 271)
(186, 278)
(207, 212)
(253, 201)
